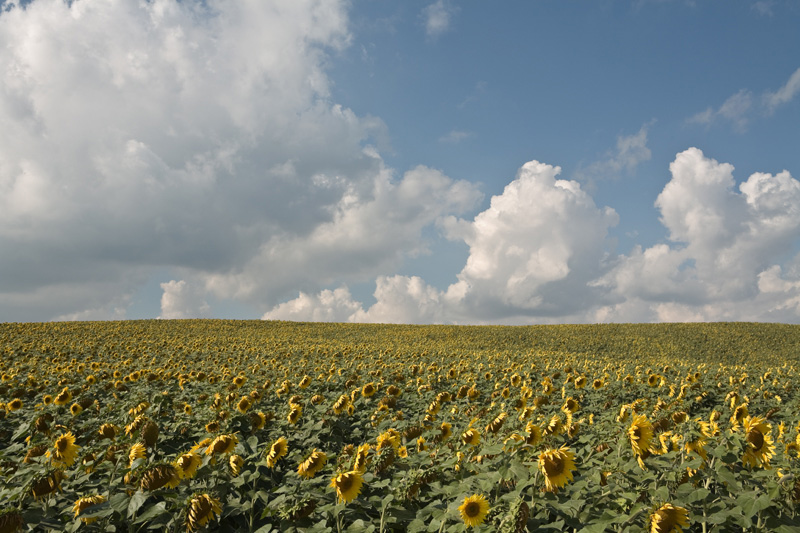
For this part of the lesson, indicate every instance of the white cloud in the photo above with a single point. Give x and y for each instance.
(539, 254)
(734, 110)
(631, 151)
(726, 247)
(785, 94)
(438, 17)
(455, 136)
(198, 136)
(328, 306)
(182, 300)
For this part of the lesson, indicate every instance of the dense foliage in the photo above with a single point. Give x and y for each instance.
(260, 426)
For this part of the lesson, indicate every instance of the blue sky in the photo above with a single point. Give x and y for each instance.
(395, 161)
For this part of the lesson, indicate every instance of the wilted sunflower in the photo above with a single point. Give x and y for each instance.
(640, 434)
(161, 475)
(668, 519)
(312, 464)
(64, 450)
(474, 510)
(188, 463)
(495, 425)
(108, 431)
(202, 509)
(556, 466)
(47, 484)
(11, 521)
(760, 448)
(347, 485)
(278, 449)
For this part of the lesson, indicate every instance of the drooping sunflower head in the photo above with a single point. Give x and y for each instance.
(188, 463)
(278, 449)
(161, 475)
(471, 437)
(312, 464)
(347, 485)
(244, 404)
(63, 397)
(640, 433)
(236, 462)
(534, 434)
(11, 521)
(222, 445)
(556, 465)
(474, 510)
(202, 509)
(668, 519)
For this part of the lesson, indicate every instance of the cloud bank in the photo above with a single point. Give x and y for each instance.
(541, 253)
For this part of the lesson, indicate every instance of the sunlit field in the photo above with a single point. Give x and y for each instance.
(266, 426)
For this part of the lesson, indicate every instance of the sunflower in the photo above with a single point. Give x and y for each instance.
(402, 452)
(471, 437)
(188, 463)
(474, 510)
(64, 450)
(47, 399)
(495, 425)
(236, 462)
(202, 508)
(14, 404)
(244, 404)
(108, 431)
(362, 459)
(63, 397)
(640, 434)
(278, 449)
(75, 409)
(534, 434)
(739, 415)
(556, 466)
(368, 390)
(760, 446)
(221, 445)
(445, 431)
(312, 464)
(258, 420)
(305, 382)
(161, 475)
(11, 520)
(347, 485)
(137, 451)
(47, 484)
(571, 405)
(295, 414)
(668, 519)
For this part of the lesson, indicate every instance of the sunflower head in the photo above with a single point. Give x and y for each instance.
(82, 504)
(64, 450)
(202, 509)
(312, 464)
(760, 448)
(474, 510)
(188, 463)
(556, 465)
(668, 519)
(221, 445)
(278, 449)
(11, 521)
(640, 433)
(161, 475)
(347, 485)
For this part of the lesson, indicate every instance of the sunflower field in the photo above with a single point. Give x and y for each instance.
(214, 425)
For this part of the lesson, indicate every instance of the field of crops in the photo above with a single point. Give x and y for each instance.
(274, 426)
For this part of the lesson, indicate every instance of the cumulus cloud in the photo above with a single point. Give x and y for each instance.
(540, 253)
(195, 136)
(328, 306)
(532, 256)
(437, 17)
(181, 300)
(726, 245)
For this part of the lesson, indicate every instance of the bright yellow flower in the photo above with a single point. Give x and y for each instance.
(556, 466)
(474, 510)
(347, 485)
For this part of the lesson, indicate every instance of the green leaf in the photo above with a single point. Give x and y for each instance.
(137, 500)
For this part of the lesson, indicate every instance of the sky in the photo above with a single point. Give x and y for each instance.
(523, 162)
